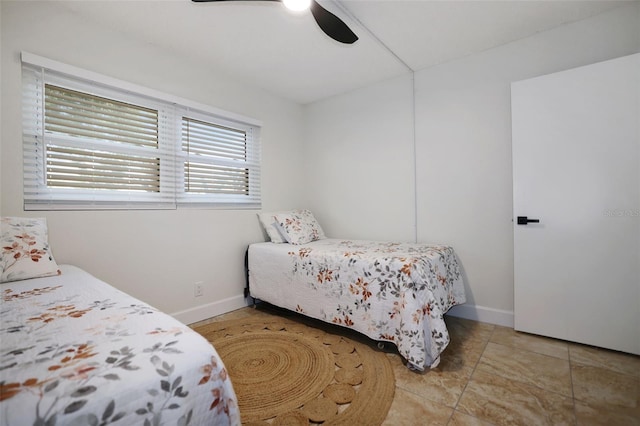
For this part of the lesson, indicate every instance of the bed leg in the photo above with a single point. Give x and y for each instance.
(247, 291)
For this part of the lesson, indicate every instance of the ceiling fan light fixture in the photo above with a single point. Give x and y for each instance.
(297, 5)
(332, 26)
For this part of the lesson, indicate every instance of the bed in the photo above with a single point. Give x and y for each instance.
(76, 351)
(390, 292)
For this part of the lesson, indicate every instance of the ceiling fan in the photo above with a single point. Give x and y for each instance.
(327, 21)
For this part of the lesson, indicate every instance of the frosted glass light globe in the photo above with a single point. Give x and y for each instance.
(297, 5)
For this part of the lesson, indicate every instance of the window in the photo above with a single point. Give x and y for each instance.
(215, 158)
(125, 161)
(91, 142)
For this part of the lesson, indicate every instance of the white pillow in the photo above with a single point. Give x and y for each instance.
(25, 249)
(268, 221)
(299, 227)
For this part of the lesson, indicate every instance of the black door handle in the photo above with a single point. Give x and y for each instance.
(523, 220)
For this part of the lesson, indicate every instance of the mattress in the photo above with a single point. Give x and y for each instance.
(392, 292)
(76, 351)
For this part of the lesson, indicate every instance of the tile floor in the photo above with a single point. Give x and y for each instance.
(492, 375)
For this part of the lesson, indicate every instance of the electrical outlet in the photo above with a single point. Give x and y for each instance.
(198, 289)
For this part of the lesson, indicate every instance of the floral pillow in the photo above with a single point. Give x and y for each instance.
(25, 249)
(269, 223)
(299, 227)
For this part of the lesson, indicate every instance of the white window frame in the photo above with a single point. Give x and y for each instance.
(38, 71)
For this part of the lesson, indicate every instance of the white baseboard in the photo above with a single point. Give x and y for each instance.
(203, 312)
(483, 314)
(472, 312)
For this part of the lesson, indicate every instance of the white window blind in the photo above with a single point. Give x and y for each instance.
(92, 145)
(218, 159)
(89, 119)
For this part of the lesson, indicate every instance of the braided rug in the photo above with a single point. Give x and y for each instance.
(287, 373)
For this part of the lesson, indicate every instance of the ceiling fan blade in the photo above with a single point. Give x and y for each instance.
(332, 25)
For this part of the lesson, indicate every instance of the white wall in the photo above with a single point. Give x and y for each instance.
(358, 151)
(463, 152)
(156, 256)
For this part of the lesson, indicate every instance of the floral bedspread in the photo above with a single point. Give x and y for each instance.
(396, 292)
(76, 351)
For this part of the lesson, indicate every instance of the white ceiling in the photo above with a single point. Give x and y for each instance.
(285, 53)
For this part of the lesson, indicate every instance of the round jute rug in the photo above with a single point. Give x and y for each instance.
(287, 373)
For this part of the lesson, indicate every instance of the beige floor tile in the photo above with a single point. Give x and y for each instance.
(464, 329)
(603, 387)
(530, 342)
(604, 358)
(443, 387)
(547, 372)
(597, 416)
(462, 353)
(507, 402)
(409, 409)
(461, 419)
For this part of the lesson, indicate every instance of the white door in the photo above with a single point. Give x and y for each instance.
(576, 168)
